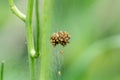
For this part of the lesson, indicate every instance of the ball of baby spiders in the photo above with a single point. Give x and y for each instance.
(60, 37)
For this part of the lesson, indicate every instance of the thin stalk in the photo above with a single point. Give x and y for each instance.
(2, 71)
(29, 33)
(30, 42)
(43, 57)
(37, 28)
(45, 20)
(16, 11)
(32, 68)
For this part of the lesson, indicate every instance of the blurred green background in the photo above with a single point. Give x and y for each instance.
(94, 49)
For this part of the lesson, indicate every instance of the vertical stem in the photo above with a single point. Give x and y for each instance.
(29, 33)
(2, 71)
(45, 19)
(37, 28)
(30, 42)
(32, 68)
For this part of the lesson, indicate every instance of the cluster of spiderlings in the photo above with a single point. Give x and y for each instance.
(60, 37)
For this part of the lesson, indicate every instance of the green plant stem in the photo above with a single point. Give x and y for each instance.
(29, 34)
(43, 57)
(16, 11)
(30, 42)
(37, 28)
(45, 52)
(32, 68)
(2, 70)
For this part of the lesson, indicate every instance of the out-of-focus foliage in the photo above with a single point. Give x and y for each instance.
(94, 49)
